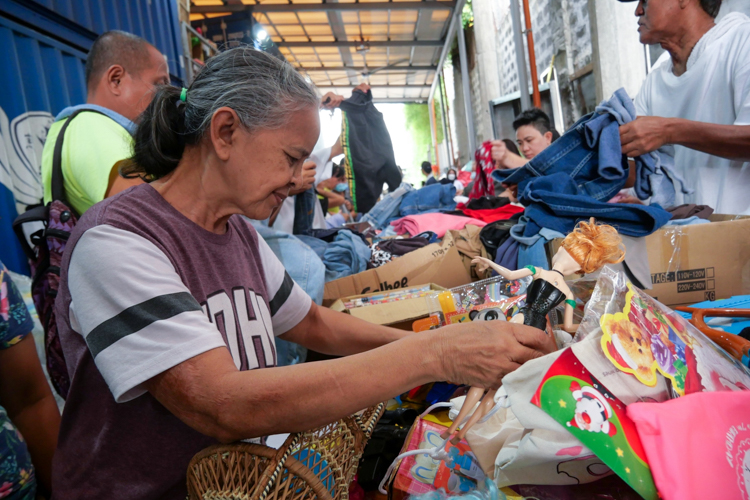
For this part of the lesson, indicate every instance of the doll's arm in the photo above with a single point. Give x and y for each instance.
(483, 264)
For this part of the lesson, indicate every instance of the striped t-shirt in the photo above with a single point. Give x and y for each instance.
(143, 289)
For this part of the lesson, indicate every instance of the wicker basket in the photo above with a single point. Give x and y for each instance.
(320, 463)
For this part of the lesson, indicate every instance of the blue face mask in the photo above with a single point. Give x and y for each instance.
(340, 188)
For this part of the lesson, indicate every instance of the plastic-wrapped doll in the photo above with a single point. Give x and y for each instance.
(589, 247)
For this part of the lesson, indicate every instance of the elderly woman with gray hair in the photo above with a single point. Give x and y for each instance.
(169, 300)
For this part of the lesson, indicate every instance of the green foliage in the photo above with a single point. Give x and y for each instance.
(417, 118)
(467, 15)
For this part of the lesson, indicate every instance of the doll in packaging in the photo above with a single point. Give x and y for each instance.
(585, 250)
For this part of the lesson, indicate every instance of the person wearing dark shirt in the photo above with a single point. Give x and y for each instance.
(427, 171)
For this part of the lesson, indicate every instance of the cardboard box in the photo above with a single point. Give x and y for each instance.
(691, 264)
(439, 263)
(390, 312)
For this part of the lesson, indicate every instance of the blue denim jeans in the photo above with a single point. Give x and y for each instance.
(387, 209)
(589, 152)
(656, 177)
(347, 255)
(306, 269)
(531, 250)
(555, 202)
(429, 199)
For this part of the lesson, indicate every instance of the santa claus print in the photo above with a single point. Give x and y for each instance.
(592, 410)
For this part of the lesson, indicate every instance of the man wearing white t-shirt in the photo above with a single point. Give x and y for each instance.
(696, 106)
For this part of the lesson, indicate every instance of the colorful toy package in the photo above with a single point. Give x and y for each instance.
(491, 299)
(421, 474)
(646, 339)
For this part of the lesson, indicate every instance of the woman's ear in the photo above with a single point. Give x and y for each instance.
(224, 126)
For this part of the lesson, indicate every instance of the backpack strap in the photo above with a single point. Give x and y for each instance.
(57, 184)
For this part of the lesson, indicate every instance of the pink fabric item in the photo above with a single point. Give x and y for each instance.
(436, 222)
(698, 446)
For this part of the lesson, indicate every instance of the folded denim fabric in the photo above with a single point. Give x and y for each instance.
(555, 202)
(428, 199)
(507, 255)
(656, 177)
(346, 255)
(536, 254)
(590, 153)
(388, 208)
(318, 246)
(436, 222)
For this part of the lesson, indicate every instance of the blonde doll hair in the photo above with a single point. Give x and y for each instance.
(592, 245)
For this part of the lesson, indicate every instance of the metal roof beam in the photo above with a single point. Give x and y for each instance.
(328, 6)
(365, 69)
(353, 43)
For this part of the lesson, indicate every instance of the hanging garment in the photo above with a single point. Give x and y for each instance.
(484, 166)
(368, 152)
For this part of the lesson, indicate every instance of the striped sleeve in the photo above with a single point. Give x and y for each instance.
(289, 304)
(137, 316)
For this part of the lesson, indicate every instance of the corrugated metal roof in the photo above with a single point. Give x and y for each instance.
(394, 45)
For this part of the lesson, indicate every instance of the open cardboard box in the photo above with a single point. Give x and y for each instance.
(389, 313)
(690, 264)
(438, 263)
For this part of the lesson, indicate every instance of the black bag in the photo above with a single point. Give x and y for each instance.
(44, 249)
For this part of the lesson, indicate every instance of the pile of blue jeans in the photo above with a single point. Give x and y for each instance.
(574, 177)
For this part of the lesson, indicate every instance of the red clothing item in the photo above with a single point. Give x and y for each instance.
(491, 215)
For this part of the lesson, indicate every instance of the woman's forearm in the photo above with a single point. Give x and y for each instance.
(331, 332)
(726, 141)
(231, 405)
(324, 391)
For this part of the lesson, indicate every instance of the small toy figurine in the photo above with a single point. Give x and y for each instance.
(585, 250)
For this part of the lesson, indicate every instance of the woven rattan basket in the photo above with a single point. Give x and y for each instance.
(320, 463)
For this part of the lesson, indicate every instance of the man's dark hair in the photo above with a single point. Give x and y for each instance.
(338, 172)
(116, 47)
(534, 117)
(426, 167)
(711, 7)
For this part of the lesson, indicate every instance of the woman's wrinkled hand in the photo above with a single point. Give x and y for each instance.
(481, 353)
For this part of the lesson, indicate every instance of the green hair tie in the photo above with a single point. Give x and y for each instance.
(183, 95)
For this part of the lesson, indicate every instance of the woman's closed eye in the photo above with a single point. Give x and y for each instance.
(293, 160)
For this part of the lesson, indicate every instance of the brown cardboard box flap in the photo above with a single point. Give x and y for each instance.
(389, 312)
(700, 262)
(439, 263)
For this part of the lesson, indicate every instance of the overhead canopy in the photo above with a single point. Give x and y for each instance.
(393, 45)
